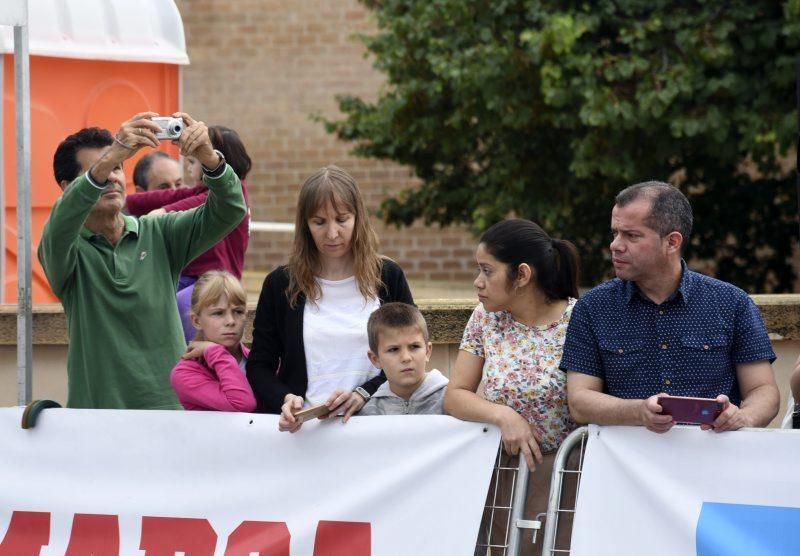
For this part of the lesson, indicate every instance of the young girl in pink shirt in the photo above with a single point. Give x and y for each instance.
(211, 374)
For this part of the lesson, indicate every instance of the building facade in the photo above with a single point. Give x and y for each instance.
(264, 67)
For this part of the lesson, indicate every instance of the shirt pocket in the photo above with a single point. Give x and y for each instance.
(623, 358)
(707, 358)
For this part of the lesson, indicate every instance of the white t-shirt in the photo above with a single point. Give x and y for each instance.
(335, 338)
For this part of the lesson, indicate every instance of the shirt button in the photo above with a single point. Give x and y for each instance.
(705, 346)
(668, 381)
(663, 346)
(621, 350)
(661, 312)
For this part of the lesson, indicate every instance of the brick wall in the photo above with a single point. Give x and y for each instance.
(262, 67)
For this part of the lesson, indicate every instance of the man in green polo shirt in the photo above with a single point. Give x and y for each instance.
(115, 274)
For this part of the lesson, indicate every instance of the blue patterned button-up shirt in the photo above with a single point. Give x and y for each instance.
(689, 345)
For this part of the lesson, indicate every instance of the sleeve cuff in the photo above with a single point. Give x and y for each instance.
(92, 182)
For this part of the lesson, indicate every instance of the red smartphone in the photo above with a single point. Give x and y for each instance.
(696, 411)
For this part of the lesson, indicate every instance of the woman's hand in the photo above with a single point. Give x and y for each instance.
(196, 350)
(287, 422)
(344, 402)
(518, 436)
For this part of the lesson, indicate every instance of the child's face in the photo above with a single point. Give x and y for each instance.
(192, 171)
(221, 322)
(402, 354)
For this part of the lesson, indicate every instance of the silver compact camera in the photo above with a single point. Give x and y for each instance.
(171, 128)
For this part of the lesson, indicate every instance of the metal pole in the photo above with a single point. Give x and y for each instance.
(23, 127)
(518, 503)
(554, 500)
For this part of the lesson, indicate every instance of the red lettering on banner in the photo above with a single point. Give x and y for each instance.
(98, 535)
(343, 538)
(264, 537)
(94, 534)
(27, 533)
(163, 536)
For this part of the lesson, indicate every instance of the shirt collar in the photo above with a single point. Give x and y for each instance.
(131, 226)
(682, 292)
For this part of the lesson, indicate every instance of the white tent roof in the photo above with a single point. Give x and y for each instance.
(120, 30)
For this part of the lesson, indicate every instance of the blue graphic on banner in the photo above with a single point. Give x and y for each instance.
(745, 530)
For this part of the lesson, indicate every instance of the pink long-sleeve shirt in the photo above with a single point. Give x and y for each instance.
(228, 254)
(215, 382)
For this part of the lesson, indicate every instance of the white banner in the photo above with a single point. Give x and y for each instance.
(689, 492)
(157, 483)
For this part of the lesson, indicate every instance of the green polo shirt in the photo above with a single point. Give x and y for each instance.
(124, 330)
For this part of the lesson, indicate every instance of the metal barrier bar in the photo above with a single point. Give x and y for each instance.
(503, 520)
(576, 439)
(271, 227)
(519, 501)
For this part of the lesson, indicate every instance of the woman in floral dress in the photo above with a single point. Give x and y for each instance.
(527, 286)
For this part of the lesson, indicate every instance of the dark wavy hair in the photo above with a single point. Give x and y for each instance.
(555, 262)
(228, 142)
(65, 160)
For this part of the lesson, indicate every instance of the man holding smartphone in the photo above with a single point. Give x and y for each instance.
(660, 328)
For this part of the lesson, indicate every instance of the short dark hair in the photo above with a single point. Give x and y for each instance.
(65, 159)
(670, 210)
(392, 316)
(142, 169)
(228, 142)
(555, 261)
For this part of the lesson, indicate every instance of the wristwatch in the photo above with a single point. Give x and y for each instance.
(363, 393)
(220, 165)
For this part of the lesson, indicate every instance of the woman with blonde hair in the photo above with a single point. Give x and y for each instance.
(310, 331)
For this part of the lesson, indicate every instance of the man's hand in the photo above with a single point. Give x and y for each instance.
(140, 131)
(732, 417)
(195, 142)
(651, 417)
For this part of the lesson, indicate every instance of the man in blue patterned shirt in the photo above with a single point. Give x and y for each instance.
(659, 328)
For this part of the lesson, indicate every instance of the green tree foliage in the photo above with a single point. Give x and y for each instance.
(546, 108)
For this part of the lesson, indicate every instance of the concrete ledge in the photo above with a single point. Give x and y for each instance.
(446, 320)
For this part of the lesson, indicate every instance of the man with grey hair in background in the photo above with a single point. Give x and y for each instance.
(659, 328)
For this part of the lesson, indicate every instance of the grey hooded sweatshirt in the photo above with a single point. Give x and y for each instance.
(428, 399)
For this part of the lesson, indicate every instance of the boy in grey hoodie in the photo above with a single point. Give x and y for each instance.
(398, 344)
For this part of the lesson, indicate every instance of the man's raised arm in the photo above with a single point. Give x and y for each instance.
(191, 233)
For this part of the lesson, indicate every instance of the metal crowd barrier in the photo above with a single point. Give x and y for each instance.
(555, 510)
(499, 534)
(504, 520)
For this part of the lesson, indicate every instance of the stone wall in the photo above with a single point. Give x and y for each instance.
(446, 320)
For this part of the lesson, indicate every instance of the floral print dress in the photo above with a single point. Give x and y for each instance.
(521, 371)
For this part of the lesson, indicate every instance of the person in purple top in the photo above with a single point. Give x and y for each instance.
(659, 328)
